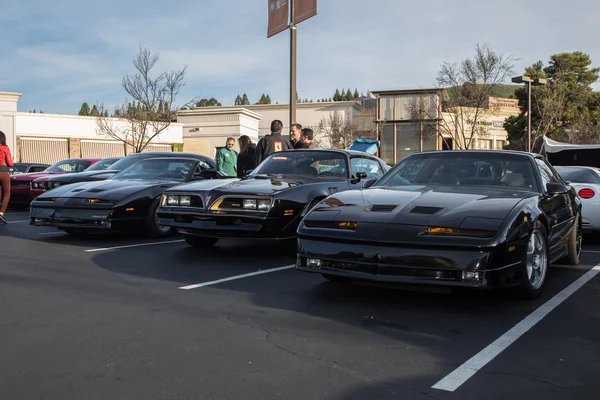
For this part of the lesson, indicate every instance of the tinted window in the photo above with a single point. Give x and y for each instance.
(152, 169)
(37, 169)
(578, 175)
(69, 166)
(103, 164)
(128, 161)
(463, 169)
(371, 167)
(298, 162)
(18, 169)
(546, 173)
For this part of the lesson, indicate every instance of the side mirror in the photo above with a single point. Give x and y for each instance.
(369, 183)
(556, 188)
(360, 176)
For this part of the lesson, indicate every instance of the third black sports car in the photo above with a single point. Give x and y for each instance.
(453, 218)
(270, 202)
(126, 202)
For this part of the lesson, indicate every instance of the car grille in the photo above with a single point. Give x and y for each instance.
(19, 183)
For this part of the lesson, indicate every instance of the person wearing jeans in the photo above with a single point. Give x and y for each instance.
(6, 162)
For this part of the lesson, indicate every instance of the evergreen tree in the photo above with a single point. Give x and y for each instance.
(268, 99)
(94, 111)
(245, 100)
(238, 100)
(85, 109)
(356, 95)
(337, 96)
(330, 100)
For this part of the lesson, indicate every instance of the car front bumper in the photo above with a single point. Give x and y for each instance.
(86, 219)
(409, 265)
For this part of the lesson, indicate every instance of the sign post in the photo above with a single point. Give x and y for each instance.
(299, 10)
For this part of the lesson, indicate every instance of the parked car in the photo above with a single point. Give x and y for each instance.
(126, 202)
(20, 185)
(25, 168)
(421, 223)
(270, 202)
(586, 181)
(93, 174)
(40, 185)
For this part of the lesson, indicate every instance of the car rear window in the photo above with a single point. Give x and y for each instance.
(578, 175)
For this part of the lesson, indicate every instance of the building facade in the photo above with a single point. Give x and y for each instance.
(49, 138)
(409, 121)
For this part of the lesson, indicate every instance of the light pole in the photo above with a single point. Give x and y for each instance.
(530, 82)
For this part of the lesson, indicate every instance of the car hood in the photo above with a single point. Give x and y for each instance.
(105, 190)
(83, 176)
(35, 175)
(420, 205)
(258, 186)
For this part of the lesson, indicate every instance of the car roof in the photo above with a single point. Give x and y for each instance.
(515, 152)
(170, 158)
(341, 151)
(596, 169)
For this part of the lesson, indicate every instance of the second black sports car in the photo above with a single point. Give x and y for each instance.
(451, 218)
(270, 202)
(126, 202)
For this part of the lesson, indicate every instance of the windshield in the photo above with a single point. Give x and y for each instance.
(172, 169)
(311, 163)
(463, 169)
(103, 164)
(70, 166)
(579, 175)
(128, 161)
(17, 169)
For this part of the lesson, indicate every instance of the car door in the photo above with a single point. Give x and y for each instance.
(370, 166)
(558, 207)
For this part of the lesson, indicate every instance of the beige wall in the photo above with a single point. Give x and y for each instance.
(8, 116)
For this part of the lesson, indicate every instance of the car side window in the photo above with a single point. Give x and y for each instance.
(37, 169)
(371, 167)
(546, 173)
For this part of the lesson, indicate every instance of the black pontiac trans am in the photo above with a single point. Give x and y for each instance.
(270, 202)
(126, 202)
(478, 219)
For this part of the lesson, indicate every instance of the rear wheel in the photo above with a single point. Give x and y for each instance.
(152, 225)
(200, 242)
(534, 268)
(574, 243)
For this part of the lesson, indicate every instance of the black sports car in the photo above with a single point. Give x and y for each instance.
(270, 202)
(101, 171)
(455, 218)
(125, 202)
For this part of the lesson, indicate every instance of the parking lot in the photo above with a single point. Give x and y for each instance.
(132, 318)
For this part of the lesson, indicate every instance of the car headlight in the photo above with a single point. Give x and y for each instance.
(264, 205)
(250, 204)
(53, 185)
(172, 200)
(176, 200)
(257, 204)
(185, 201)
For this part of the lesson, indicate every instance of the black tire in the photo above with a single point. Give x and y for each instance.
(200, 242)
(529, 289)
(152, 228)
(335, 278)
(574, 244)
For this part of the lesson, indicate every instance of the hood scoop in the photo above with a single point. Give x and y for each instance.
(425, 210)
(383, 207)
(96, 190)
(76, 190)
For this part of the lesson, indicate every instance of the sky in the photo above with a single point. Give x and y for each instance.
(62, 53)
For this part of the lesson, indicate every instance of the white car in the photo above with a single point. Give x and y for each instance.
(586, 181)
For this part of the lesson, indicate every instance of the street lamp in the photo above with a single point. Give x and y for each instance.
(530, 82)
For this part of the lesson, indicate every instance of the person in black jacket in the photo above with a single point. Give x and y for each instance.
(271, 143)
(245, 160)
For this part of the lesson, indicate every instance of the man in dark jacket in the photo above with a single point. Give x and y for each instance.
(306, 139)
(272, 143)
(295, 132)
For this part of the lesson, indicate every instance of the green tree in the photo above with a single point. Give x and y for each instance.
(94, 111)
(356, 94)
(267, 99)
(566, 109)
(245, 100)
(238, 100)
(337, 96)
(212, 102)
(84, 110)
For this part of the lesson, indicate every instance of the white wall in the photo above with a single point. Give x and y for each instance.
(72, 126)
(8, 111)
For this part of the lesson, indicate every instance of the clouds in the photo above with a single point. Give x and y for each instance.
(61, 53)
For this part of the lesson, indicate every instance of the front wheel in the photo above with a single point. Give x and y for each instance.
(153, 227)
(200, 242)
(535, 264)
(574, 243)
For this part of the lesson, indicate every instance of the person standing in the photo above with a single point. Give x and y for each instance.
(227, 158)
(6, 162)
(245, 160)
(295, 132)
(306, 139)
(271, 143)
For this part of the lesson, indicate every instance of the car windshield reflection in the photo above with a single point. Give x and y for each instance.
(316, 164)
(157, 170)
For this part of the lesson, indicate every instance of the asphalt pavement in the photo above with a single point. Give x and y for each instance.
(132, 318)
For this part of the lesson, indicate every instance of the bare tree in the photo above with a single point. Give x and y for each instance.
(467, 88)
(152, 109)
(424, 110)
(340, 132)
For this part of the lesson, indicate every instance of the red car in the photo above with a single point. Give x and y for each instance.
(21, 190)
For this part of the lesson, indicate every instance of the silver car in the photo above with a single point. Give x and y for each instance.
(586, 181)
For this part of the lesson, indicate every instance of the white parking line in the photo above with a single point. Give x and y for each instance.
(232, 278)
(18, 222)
(133, 245)
(460, 375)
(52, 233)
(590, 251)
